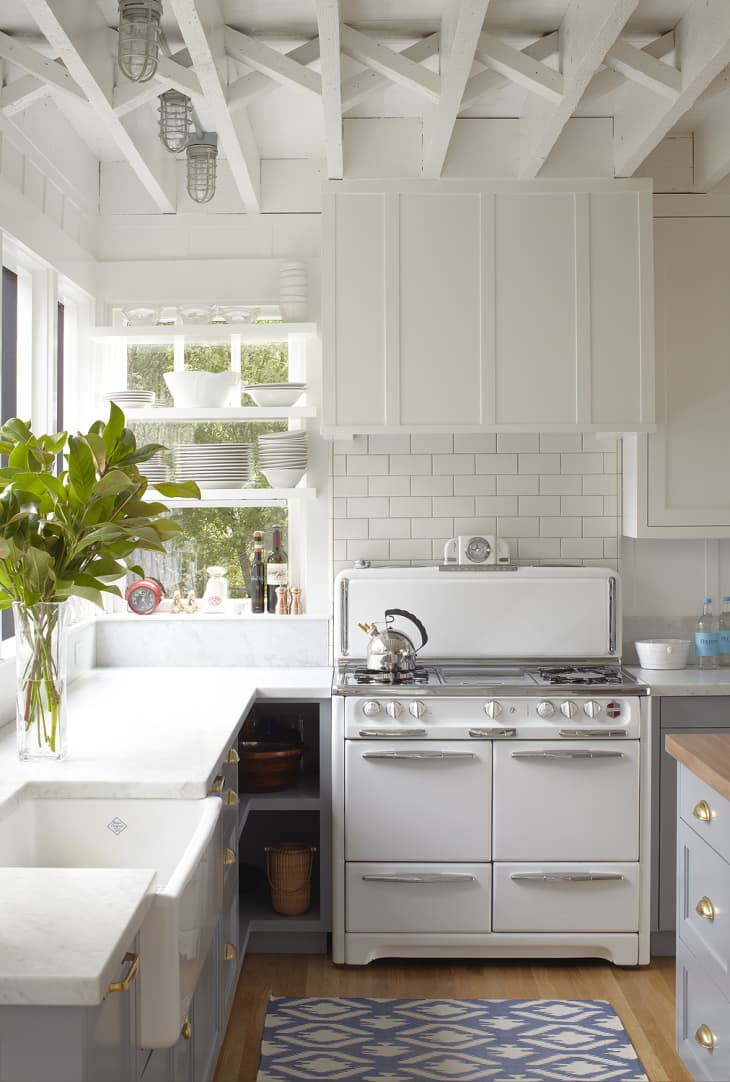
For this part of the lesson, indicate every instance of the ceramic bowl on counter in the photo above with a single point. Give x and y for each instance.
(206, 390)
(663, 653)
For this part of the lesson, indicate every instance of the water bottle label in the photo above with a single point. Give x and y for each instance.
(706, 643)
(725, 641)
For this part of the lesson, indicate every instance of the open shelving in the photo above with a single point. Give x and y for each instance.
(225, 413)
(207, 332)
(235, 497)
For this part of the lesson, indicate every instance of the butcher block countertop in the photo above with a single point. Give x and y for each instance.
(707, 755)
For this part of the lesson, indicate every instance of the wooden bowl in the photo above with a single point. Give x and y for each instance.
(266, 767)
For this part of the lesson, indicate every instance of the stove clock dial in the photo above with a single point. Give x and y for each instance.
(545, 710)
(417, 708)
(592, 709)
(568, 709)
(371, 708)
(492, 709)
(478, 550)
(393, 709)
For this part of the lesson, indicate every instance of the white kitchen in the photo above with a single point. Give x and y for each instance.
(364, 540)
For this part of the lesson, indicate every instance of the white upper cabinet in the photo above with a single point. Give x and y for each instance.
(506, 307)
(676, 481)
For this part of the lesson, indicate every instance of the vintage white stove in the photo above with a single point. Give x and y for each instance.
(495, 802)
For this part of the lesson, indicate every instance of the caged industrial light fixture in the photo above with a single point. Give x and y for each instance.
(202, 153)
(139, 38)
(176, 115)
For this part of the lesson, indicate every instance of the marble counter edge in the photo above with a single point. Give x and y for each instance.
(683, 682)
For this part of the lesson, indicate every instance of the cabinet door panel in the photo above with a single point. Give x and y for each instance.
(535, 309)
(440, 309)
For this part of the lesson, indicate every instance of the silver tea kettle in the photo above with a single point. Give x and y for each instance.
(389, 650)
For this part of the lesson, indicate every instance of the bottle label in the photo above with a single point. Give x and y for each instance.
(725, 641)
(277, 574)
(706, 643)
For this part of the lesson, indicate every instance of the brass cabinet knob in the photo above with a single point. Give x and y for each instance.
(230, 952)
(132, 960)
(217, 786)
(705, 1037)
(187, 1030)
(229, 857)
(231, 798)
(233, 756)
(705, 908)
(702, 811)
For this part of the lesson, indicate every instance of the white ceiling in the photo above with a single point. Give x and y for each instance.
(293, 121)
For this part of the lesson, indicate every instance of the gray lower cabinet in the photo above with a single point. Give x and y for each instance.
(673, 714)
(74, 1044)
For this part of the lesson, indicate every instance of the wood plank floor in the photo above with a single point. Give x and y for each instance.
(643, 998)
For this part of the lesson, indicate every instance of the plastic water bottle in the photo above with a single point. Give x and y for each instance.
(706, 638)
(725, 632)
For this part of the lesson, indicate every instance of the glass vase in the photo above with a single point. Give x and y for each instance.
(40, 659)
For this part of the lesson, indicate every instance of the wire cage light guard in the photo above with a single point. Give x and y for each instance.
(202, 154)
(176, 112)
(139, 38)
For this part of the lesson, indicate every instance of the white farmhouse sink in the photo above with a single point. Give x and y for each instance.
(178, 839)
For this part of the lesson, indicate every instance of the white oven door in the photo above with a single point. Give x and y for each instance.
(412, 800)
(575, 897)
(417, 897)
(576, 800)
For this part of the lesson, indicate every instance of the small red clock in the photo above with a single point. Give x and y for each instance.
(144, 595)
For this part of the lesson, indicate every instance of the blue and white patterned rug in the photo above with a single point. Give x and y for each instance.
(445, 1040)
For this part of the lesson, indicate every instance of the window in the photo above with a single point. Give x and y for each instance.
(9, 378)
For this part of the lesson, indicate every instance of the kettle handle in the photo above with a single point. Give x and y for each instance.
(414, 620)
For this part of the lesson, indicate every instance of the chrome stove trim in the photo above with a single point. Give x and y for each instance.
(344, 644)
(612, 615)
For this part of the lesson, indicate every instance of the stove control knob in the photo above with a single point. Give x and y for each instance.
(393, 709)
(492, 709)
(545, 710)
(568, 709)
(371, 708)
(592, 709)
(417, 708)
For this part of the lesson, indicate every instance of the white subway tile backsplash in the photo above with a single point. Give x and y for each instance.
(559, 484)
(433, 527)
(368, 550)
(603, 526)
(582, 463)
(522, 526)
(339, 507)
(611, 547)
(413, 506)
(410, 550)
(610, 505)
(350, 486)
(410, 464)
(582, 548)
(599, 441)
(538, 549)
(389, 444)
(540, 463)
(358, 445)
(391, 527)
(445, 506)
(539, 505)
(507, 441)
(469, 525)
(560, 441)
(600, 484)
(480, 484)
(367, 465)
(432, 486)
(339, 550)
(350, 528)
(495, 505)
(339, 465)
(436, 443)
(610, 463)
(518, 484)
(496, 463)
(368, 507)
(551, 526)
(478, 443)
(389, 486)
(581, 505)
(453, 464)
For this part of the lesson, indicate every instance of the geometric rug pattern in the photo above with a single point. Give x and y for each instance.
(445, 1040)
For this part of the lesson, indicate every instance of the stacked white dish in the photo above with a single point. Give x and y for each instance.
(214, 465)
(275, 394)
(283, 458)
(293, 292)
(130, 399)
(156, 469)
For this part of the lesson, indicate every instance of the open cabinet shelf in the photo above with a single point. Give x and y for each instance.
(207, 332)
(235, 497)
(228, 413)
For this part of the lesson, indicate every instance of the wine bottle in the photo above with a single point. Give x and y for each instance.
(277, 568)
(258, 573)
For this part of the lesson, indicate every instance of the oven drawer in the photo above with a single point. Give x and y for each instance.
(574, 800)
(566, 897)
(418, 897)
(704, 810)
(704, 892)
(412, 800)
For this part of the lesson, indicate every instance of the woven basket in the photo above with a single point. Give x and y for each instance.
(289, 872)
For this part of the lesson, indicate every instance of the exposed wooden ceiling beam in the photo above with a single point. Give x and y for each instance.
(393, 65)
(360, 86)
(32, 62)
(703, 48)
(607, 81)
(201, 25)
(639, 66)
(79, 35)
(328, 23)
(21, 94)
(518, 66)
(170, 75)
(455, 74)
(711, 148)
(588, 30)
(278, 66)
(486, 82)
(255, 83)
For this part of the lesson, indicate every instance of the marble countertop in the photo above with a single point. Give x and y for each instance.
(690, 681)
(71, 958)
(707, 755)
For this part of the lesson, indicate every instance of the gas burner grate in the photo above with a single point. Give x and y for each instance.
(367, 676)
(581, 677)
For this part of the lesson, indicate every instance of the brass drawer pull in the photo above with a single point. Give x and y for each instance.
(229, 857)
(230, 952)
(132, 960)
(702, 811)
(705, 908)
(187, 1030)
(231, 798)
(233, 756)
(217, 786)
(705, 1037)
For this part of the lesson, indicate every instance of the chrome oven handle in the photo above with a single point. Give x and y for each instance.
(391, 734)
(566, 877)
(430, 755)
(492, 732)
(564, 753)
(590, 734)
(421, 878)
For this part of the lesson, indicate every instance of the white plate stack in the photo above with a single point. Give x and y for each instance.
(156, 469)
(131, 399)
(214, 465)
(293, 292)
(283, 458)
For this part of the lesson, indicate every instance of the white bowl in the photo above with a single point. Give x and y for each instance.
(275, 396)
(204, 389)
(663, 653)
(283, 478)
